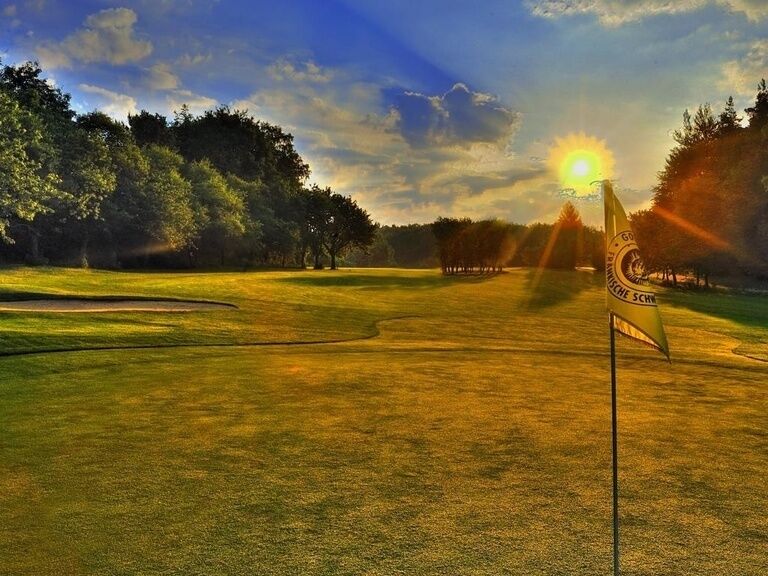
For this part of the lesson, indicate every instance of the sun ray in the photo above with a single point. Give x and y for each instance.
(704, 235)
(544, 260)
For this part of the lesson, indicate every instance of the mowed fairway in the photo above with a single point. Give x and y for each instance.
(377, 422)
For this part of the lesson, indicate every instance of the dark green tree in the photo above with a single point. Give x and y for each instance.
(150, 129)
(165, 209)
(220, 210)
(348, 226)
(758, 113)
(567, 239)
(729, 121)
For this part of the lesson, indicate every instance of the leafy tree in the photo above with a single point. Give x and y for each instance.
(348, 226)
(379, 254)
(88, 178)
(567, 239)
(317, 213)
(237, 144)
(25, 189)
(758, 113)
(729, 121)
(165, 208)
(150, 129)
(448, 231)
(25, 84)
(257, 212)
(414, 245)
(220, 211)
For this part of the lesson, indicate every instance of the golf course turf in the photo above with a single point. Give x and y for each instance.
(376, 422)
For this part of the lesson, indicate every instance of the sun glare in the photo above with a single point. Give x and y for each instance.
(579, 160)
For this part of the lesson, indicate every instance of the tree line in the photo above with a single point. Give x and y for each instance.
(709, 214)
(218, 189)
(464, 246)
(224, 189)
(486, 246)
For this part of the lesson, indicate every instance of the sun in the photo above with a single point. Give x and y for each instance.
(579, 160)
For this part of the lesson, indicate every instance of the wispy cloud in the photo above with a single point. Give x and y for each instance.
(113, 103)
(468, 170)
(160, 77)
(197, 103)
(190, 60)
(284, 69)
(107, 36)
(741, 76)
(619, 12)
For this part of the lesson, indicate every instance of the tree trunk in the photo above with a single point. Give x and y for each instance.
(34, 248)
(333, 260)
(84, 250)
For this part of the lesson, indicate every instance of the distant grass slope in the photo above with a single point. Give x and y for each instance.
(471, 435)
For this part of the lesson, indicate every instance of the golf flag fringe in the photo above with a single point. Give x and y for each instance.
(629, 296)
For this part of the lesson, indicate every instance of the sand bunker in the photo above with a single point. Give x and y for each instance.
(84, 305)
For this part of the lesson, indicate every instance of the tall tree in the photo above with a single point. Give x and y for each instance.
(26, 190)
(220, 211)
(567, 239)
(166, 210)
(150, 129)
(758, 113)
(348, 226)
(728, 121)
(88, 178)
(237, 144)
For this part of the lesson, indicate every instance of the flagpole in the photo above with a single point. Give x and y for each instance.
(614, 449)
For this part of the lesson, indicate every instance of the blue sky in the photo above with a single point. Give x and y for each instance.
(416, 108)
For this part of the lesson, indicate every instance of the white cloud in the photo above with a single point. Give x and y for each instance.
(112, 103)
(308, 71)
(754, 9)
(196, 103)
(189, 60)
(367, 155)
(107, 36)
(160, 77)
(740, 77)
(618, 12)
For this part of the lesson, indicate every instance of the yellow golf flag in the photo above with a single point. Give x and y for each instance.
(630, 298)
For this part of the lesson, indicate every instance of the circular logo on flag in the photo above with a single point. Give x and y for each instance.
(632, 268)
(626, 276)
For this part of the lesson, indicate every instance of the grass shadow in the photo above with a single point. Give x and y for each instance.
(745, 309)
(548, 287)
(364, 281)
(11, 295)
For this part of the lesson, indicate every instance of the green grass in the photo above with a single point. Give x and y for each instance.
(457, 426)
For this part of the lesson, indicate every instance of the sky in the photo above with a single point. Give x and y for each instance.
(417, 109)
